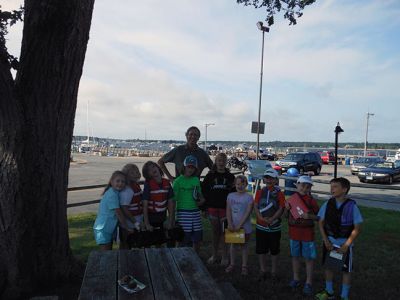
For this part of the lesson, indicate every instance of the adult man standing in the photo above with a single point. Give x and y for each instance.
(178, 154)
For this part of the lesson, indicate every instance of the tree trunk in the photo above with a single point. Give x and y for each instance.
(37, 113)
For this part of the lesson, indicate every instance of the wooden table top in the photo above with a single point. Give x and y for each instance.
(168, 273)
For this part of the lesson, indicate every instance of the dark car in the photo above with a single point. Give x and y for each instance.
(328, 157)
(302, 161)
(388, 172)
(362, 162)
(266, 155)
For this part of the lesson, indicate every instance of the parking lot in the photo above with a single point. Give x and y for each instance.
(91, 170)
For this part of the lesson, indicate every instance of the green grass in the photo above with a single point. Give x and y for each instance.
(376, 260)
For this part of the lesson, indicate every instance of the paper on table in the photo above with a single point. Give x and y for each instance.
(139, 286)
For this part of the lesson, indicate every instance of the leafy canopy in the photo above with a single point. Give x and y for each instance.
(292, 8)
(8, 18)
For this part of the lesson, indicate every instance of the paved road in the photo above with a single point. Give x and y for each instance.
(92, 170)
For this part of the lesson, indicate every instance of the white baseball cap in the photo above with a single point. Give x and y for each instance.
(305, 179)
(271, 173)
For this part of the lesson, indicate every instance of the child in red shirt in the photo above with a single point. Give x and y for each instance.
(301, 233)
(269, 205)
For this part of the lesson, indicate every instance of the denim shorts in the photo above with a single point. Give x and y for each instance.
(303, 249)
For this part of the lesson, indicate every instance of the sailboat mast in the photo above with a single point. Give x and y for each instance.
(87, 122)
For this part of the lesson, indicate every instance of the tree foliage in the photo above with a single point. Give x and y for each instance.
(292, 8)
(8, 18)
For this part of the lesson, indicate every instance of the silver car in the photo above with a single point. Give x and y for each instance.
(363, 162)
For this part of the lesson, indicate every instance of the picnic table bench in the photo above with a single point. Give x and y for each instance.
(168, 273)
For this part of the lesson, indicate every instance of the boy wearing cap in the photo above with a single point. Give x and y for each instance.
(339, 224)
(302, 210)
(188, 198)
(269, 205)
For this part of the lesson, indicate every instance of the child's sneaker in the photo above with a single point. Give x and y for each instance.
(324, 295)
(294, 284)
(211, 260)
(308, 290)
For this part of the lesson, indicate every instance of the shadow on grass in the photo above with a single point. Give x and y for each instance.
(376, 259)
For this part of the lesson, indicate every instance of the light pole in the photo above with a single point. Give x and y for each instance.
(205, 141)
(338, 130)
(366, 134)
(263, 30)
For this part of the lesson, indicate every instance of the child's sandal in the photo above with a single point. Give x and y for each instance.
(229, 269)
(245, 270)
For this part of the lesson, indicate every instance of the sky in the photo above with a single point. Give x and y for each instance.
(153, 68)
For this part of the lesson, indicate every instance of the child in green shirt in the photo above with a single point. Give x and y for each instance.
(188, 198)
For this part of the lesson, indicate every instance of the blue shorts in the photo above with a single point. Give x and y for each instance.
(303, 249)
(103, 237)
(190, 220)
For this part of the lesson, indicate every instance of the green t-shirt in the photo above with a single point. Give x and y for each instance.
(183, 191)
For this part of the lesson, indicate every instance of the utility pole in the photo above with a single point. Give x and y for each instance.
(263, 29)
(366, 133)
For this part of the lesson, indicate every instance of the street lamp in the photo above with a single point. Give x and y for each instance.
(366, 134)
(338, 130)
(205, 141)
(263, 30)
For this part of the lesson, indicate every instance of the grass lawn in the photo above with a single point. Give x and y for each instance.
(376, 260)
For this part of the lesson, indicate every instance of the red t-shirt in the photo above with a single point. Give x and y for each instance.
(305, 234)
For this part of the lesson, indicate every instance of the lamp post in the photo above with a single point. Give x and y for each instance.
(338, 130)
(366, 134)
(263, 30)
(205, 140)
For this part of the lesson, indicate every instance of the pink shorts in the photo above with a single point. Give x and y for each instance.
(216, 213)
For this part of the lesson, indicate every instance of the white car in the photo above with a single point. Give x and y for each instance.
(397, 155)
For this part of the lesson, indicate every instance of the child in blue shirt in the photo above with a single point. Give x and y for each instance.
(339, 224)
(105, 226)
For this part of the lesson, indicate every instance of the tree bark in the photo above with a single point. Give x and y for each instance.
(37, 112)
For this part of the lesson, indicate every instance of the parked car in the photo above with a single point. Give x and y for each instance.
(362, 162)
(328, 157)
(277, 168)
(263, 154)
(381, 172)
(302, 161)
(397, 155)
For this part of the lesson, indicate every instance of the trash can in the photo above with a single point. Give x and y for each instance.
(290, 182)
(347, 161)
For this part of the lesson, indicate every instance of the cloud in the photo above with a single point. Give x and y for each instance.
(161, 66)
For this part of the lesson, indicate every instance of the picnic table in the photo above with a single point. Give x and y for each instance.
(168, 273)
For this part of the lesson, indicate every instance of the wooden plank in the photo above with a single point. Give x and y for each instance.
(133, 262)
(165, 277)
(229, 291)
(100, 276)
(197, 278)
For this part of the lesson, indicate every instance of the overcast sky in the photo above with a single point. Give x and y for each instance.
(158, 67)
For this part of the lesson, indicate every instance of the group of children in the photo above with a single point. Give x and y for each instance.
(229, 206)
